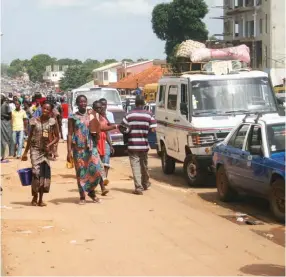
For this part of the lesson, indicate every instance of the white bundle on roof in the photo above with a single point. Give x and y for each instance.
(187, 47)
(240, 53)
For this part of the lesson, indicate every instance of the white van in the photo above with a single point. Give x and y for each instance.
(195, 111)
(92, 94)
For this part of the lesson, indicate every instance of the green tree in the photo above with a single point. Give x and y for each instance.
(38, 66)
(141, 60)
(178, 21)
(108, 61)
(68, 62)
(213, 37)
(75, 76)
(128, 60)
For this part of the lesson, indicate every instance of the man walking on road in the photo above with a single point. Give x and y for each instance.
(139, 122)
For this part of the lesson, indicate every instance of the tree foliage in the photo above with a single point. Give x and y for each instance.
(178, 21)
(75, 76)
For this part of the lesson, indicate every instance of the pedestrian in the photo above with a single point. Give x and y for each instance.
(106, 118)
(81, 150)
(42, 137)
(65, 115)
(19, 127)
(6, 128)
(139, 122)
(99, 116)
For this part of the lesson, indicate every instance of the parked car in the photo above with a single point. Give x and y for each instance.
(252, 160)
(116, 136)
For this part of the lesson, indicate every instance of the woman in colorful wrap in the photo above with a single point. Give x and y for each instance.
(43, 135)
(82, 151)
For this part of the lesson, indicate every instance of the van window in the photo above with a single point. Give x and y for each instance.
(184, 93)
(172, 97)
(162, 93)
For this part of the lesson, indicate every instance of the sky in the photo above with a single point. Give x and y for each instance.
(82, 29)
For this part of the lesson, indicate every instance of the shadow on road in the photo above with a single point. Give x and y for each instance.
(68, 176)
(253, 206)
(22, 203)
(263, 270)
(177, 179)
(69, 200)
(128, 191)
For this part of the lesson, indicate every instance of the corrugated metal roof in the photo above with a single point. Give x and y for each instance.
(148, 76)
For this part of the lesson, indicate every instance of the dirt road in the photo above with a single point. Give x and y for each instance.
(170, 230)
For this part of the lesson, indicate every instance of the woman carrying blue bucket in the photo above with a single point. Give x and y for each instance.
(43, 135)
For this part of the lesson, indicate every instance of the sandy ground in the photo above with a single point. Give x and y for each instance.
(170, 230)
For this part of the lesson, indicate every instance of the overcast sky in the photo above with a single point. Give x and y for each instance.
(82, 29)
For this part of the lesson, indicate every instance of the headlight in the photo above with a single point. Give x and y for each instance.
(203, 139)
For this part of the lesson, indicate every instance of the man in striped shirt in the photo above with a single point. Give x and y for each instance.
(139, 123)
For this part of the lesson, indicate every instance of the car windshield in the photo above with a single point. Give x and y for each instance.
(111, 95)
(118, 116)
(236, 96)
(276, 137)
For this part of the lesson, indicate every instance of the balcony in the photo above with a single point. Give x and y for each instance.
(243, 6)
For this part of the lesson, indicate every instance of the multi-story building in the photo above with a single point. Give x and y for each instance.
(54, 74)
(260, 24)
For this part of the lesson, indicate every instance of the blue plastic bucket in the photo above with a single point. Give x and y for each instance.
(25, 175)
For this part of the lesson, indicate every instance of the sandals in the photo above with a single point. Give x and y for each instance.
(34, 203)
(93, 198)
(104, 192)
(82, 202)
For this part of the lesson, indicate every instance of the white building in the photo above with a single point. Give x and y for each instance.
(260, 24)
(106, 74)
(54, 74)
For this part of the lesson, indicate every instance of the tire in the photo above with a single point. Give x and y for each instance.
(277, 199)
(168, 163)
(159, 153)
(225, 192)
(194, 176)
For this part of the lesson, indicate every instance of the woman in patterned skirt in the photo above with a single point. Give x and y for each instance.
(43, 135)
(82, 151)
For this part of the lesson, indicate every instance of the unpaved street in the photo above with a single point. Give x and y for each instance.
(170, 230)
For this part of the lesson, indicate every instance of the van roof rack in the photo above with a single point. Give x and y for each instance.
(258, 116)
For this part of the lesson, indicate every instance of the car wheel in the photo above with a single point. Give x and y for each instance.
(159, 153)
(193, 174)
(225, 192)
(168, 163)
(277, 199)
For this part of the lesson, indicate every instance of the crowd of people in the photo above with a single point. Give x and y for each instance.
(43, 122)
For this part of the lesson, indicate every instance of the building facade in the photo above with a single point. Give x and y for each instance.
(54, 74)
(260, 24)
(105, 75)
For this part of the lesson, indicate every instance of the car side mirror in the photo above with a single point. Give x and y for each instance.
(256, 150)
(184, 109)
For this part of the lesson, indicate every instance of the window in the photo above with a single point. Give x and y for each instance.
(266, 23)
(172, 97)
(105, 76)
(260, 26)
(255, 137)
(238, 137)
(162, 93)
(184, 93)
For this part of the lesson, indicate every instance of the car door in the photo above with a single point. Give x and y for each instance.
(257, 174)
(183, 121)
(172, 120)
(234, 155)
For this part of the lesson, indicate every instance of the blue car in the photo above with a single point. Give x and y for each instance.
(252, 160)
